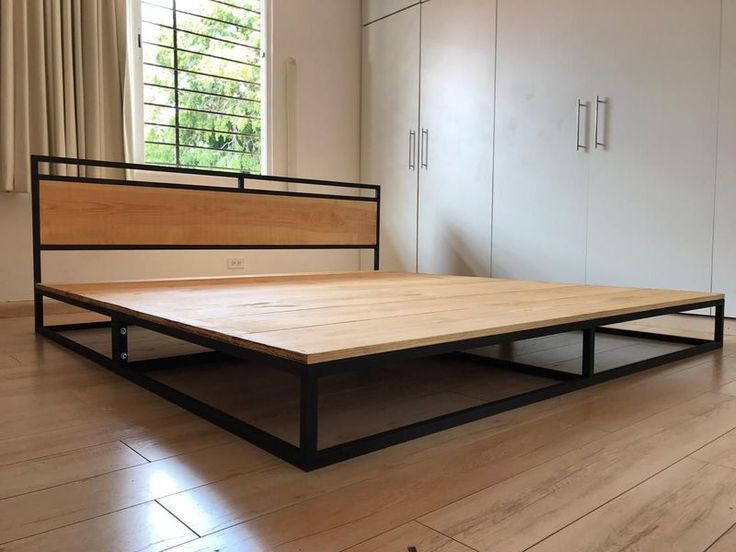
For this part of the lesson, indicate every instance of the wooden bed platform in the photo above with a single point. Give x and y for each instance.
(315, 325)
(311, 325)
(316, 318)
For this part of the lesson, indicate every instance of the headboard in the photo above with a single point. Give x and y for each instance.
(115, 212)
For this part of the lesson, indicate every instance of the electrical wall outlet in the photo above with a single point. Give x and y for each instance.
(236, 264)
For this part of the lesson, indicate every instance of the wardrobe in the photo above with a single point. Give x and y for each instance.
(606, 141)
(566, 140)
(427, 131)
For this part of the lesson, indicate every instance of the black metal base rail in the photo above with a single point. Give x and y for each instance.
(307, 455)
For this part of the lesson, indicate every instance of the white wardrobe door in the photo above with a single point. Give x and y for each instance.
(458, 42)
(540, 184)
(724, 254)
(390, 111)
(375, 9)
(652, 188)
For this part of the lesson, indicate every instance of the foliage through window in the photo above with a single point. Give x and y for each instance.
(202, 83)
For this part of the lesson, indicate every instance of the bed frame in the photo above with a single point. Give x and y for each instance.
(72, 213)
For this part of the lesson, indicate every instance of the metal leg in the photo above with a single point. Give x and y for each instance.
(719, 323)
(377, 247)
(36, 231)
(588, 352)
(119, 344)
(38, 311)
(308, 417)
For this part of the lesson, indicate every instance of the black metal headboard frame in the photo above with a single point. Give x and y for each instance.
(239, 178)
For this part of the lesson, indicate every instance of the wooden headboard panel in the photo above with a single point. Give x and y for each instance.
(84, 213)
(228, 210)
(104, 208)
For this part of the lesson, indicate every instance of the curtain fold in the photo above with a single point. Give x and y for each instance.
(62, 80)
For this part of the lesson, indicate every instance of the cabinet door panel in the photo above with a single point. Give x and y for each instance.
(540, 185)
(375, 9)
(724, 254)
(457, 89)
(390, 110)
(652, 188)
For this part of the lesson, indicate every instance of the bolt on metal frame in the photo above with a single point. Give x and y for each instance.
(307, 455)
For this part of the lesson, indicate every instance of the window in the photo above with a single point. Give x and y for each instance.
(202, 101)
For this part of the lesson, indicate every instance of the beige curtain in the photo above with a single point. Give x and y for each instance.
(62, 77)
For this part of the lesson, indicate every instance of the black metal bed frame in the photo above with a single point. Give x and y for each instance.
(307, 455)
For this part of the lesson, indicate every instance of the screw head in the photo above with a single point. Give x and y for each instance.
(123, 331)
(124, 356)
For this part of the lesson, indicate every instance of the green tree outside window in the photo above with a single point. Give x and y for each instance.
(202, 83)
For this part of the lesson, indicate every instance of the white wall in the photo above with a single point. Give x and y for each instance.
(16, 270)
(724, 244)
(323, 36)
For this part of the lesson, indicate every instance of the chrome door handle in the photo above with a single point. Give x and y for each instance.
(412, 150)
(578, 145)
(424, 149)
(598, 102)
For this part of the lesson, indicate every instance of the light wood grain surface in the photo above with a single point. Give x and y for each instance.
(678, 510)
(147, 526)
(75, 213)
(89, 461)
(313, 318)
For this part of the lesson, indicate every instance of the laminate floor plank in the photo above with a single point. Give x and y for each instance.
(625, 403)
(54, 404)
(721, 452)
(465, 454)
(34, 475)
(48, 509)
(7, 361)
(725, 543)
(146, 527)
(385, 491)
(524, 510)
(155, 436)
(181, 434)
(525, 526)
(729, 388)
(412, 534)
(682, 509)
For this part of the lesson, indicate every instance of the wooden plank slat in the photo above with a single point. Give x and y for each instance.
(522, 511)
(412, 534)
(316, 318)
(146, 527)
(105, 214)
(206, 510)
(727, 542)
(681, 509)
(361, 499)
(52, 508)
(721, 452)
(343, 505)
(42, 473)
(511, 513)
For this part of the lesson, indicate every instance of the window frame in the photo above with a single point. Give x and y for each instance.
(137, 139)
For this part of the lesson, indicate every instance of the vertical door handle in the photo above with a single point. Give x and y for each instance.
(424, 149)
(598, 102)
(412, 150)
(578, 145)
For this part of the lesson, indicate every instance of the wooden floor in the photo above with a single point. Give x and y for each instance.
(648, 462)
